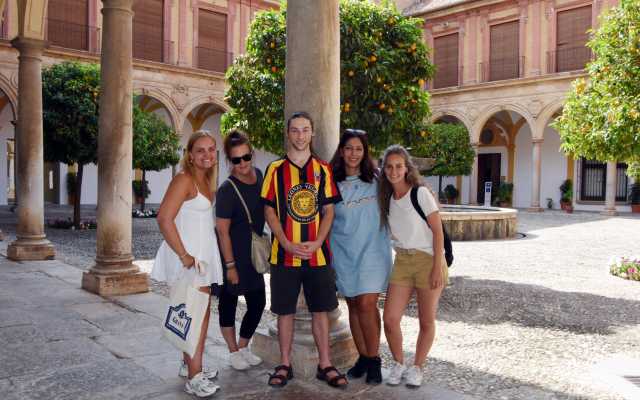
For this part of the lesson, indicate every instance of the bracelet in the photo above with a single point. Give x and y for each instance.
(227, 263)
(184, 255)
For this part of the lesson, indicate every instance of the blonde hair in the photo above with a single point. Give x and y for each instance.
(385, 189)
(187, 167)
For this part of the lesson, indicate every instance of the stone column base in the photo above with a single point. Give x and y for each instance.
(27, 250)
(304, 355)
(535, 209)
(610, 213)
(117, 284)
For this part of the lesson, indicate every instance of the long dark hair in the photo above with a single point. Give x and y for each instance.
(367, 169)
(385, 189)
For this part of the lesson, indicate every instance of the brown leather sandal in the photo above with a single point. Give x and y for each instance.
(322, 374)
(281, 379)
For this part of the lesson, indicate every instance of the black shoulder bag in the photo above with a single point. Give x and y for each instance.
(448, 248)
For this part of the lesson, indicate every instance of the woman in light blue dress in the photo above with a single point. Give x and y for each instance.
(361, 249)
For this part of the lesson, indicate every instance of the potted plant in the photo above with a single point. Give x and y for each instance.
(451, 193)
(566, 196)
(71, 187)
(140, 191)
(504, 194)
(633, 171)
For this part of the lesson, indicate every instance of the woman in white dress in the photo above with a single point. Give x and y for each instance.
(186, 221)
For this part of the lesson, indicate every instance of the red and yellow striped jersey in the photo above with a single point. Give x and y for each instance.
(298, 194)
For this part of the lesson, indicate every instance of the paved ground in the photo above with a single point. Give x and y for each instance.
(524, 319)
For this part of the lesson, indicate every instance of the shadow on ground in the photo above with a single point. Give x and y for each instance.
(482, 301)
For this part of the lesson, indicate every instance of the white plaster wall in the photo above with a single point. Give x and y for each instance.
(522, 179)
(6, 132)
(89, 184)
(553, 169)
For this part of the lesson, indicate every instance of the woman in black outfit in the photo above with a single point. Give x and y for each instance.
(234, 234)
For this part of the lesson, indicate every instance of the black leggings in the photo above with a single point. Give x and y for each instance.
(255, 299)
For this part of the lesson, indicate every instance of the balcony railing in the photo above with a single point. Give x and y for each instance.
(569, 59)
(506, 68)
(213, 59)
(149, 48)
(71, 35)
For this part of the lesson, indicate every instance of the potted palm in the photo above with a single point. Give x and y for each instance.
(140, 191)
(504, 194)
(451, 193)
(566, 196)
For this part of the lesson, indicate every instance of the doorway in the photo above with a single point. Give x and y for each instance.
(488, 171)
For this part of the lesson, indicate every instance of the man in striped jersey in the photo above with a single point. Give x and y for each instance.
(299, 193)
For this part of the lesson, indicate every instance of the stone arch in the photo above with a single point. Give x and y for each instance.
(166, 101)
(197, 102)
(458, 115)
(544, 118)
(10, 92)
(488, 112)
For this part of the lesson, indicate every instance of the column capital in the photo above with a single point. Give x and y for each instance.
(124, 5)
(475, 145)
(29, 46)
(537, 140)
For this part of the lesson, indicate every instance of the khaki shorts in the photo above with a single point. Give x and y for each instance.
(412, 268)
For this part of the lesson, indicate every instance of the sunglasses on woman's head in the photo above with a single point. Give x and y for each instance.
(247, 157)
(357, 132)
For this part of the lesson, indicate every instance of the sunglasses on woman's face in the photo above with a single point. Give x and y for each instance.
(247, 157)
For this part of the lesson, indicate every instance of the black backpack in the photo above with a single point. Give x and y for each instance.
(448, 248)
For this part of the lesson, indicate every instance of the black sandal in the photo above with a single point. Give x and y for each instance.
(322, 374)
(282, 379)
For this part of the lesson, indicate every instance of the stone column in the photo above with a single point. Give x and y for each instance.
(312, 80)
(31, 242)
(312, 84)
(114, 272)
(612, 184)
(536, 160)
(473, 179)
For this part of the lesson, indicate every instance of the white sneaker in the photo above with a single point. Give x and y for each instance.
(200, 386)
(397, 373)
(208, 373)
(238, 362)
(249, 357)
(414, 376)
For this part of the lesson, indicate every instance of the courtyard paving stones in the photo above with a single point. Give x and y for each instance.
(523, 319)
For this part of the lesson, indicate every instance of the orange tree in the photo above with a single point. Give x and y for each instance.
(384, 65)
(601, 118)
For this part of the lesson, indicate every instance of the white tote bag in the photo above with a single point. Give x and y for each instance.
(186, 310)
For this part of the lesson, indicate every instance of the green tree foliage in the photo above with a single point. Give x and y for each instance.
(155, 145)
(384, 64)
(601, 118)
(70, 95)
(449, 145)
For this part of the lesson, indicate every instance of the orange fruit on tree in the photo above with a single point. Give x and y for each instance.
(272, 45)
(350, 73)
(373, 58)
(381, 106)
(274, 69)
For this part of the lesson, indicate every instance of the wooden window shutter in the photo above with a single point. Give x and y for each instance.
(148, 29)
(504, 51)
(212, 41)
(67, 22)
(571, 39)
(445, 58)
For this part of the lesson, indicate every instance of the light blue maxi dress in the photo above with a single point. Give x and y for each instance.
(361, 250)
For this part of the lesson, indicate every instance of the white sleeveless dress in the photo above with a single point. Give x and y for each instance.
(195, 223)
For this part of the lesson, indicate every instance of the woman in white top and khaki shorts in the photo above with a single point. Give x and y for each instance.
(419, 265)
